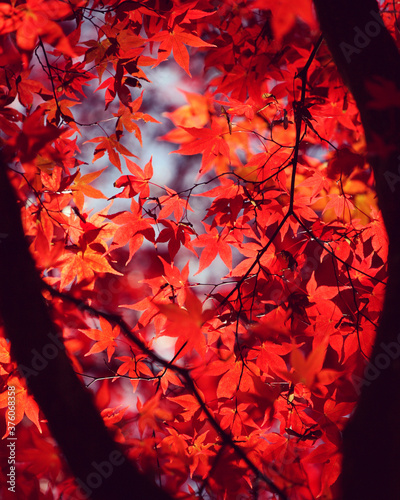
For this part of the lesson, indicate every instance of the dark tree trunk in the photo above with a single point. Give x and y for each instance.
(364, 51)
(94, 458)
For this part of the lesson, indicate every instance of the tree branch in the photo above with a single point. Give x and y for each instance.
(365, 53)
(97, 462)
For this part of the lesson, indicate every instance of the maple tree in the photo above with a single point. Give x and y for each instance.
(212, 338)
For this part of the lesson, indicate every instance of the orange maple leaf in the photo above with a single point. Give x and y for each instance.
(24, 405)
(113, 415)
(129, 114)
(81, 187)
(105, 338)
(82, 266)
(4, 351)
(113, 147)
(135, 367)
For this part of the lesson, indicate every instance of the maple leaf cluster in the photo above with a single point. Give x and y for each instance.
(239, 383)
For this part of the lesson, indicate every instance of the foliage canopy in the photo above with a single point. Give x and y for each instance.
(222, 322)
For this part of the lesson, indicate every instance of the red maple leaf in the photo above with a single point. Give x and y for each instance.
(24, 404)
(136, 183)
(175, 40)
(214, 243)
(210, 143)
(105, 338)
(185, 323)
(113, 147)
(133, 229)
